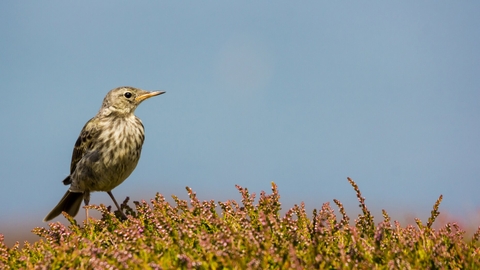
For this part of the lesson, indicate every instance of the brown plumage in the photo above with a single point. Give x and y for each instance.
(107, 150)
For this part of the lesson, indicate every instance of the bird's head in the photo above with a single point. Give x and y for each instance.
(124, 100)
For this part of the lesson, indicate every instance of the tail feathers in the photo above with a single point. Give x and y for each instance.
(70, 203)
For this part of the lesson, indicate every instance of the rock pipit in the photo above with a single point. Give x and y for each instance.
(107, 150)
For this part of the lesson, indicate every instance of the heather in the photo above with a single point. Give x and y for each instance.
(251, 234)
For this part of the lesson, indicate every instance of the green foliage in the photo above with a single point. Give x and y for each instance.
(206, 235)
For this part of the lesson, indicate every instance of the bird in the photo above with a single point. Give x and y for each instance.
(106, 151)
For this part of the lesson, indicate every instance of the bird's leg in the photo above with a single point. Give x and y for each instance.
(86, 200)
(116, 204)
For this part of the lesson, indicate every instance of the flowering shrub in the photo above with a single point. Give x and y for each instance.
(207, 235)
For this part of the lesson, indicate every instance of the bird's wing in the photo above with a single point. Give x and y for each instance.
(86, 140)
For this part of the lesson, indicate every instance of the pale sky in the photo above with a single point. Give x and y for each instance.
(304, 95)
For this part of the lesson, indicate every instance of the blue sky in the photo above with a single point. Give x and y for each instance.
(304, 95)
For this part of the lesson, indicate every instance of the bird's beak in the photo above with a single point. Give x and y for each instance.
(146, 95)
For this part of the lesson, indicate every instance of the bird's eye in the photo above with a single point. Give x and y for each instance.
(128, 94)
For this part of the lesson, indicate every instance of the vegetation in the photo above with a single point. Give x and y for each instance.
(229, 235)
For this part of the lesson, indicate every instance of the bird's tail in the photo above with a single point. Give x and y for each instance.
(70, 203)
